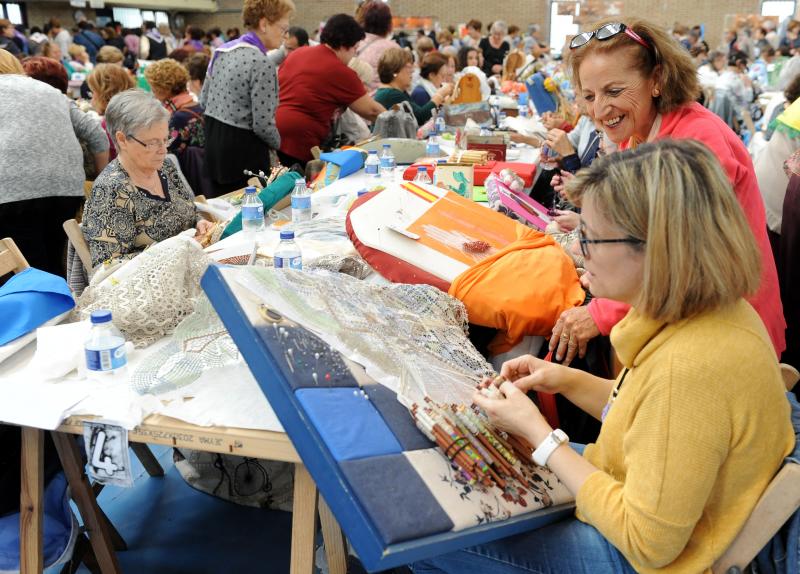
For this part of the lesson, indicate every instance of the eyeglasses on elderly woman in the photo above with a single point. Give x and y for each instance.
(584, 242)
(606, 32)
(153, 145)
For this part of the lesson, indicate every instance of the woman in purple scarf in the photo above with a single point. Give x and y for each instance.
(240, 96)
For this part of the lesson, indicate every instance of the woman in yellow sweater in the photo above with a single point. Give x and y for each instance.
(697, 423)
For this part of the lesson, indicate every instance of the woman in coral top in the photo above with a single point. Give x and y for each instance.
(697, 423)
(640, 85)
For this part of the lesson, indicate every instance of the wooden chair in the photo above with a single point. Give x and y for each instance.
(780, 500)
(73, 230)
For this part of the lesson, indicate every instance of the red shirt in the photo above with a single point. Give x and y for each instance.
(696, 122)
(313, 85)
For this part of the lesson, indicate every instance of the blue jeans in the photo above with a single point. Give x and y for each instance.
(566, 547)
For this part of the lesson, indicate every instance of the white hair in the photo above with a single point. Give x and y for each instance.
(499, 27)
(133, 110)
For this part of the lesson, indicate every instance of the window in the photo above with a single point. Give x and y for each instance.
(780, 8)
(134, 18)
(562, 22)
(12, 11)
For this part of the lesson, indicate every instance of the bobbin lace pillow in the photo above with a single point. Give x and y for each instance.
(152, 293)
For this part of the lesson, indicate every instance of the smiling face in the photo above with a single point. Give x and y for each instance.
(617, 95)
(613, 270)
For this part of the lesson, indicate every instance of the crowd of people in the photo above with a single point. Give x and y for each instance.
(688, 237)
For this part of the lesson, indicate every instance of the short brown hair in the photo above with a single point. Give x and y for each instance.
(392, 61)
(110, 55)
(107, 80)
(675, 197)
(432, 63)
(168, 76)
(272, 10)
(475, 24)
(47, 70)
(677, 75)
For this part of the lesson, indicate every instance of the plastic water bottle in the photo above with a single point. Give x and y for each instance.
(105, 347)
(301, 202)
(432, 149)
(252, 212)
(422, 175)
(522, 105)
(387, 163)
(372, 165)
(439, 123)
(287, 255)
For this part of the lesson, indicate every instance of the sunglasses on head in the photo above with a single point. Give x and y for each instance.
(606, 32)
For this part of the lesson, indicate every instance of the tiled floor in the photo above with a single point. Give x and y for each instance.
(171, 528)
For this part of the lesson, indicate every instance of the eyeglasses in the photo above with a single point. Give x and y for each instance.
(153, 145)
(607, 32)
(584, 243)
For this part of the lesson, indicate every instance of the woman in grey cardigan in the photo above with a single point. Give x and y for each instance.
(240, 96)
(41, 169)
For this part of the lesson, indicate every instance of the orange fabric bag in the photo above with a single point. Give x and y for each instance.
(520, 290)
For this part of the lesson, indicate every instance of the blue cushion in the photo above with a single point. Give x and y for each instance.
(29, 299)
(396, 499)
(397, 418)
(348, 160)
(348, 423)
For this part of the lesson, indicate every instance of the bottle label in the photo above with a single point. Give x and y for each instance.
(288, 262)
(253, 212)
(301, 202)
(387, 163)
(371, 168)
(106, 359)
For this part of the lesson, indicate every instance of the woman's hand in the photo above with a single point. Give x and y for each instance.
(567, 220)
(528, 373)
(571, 334)
(552, 120)
(559, 182)
(203, 227)
(515, 413)
(442, 93)
(557, 140)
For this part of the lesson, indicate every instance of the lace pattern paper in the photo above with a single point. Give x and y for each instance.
(395, 331)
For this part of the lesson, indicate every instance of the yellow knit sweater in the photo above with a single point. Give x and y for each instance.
(697, 431)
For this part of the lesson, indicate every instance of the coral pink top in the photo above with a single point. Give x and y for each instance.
(696, 122)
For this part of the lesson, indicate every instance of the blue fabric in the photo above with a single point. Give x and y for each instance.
(395, 498)
(420, 96)
(566, 547)
(782, 554)
(348, 160)
(397, 417)
(269, 196)
(30, 299)
(57, 527)
(348, 423)
(543, 100)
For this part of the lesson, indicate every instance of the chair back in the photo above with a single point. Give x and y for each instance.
(73, 230)
(11, 258)
(779, 502)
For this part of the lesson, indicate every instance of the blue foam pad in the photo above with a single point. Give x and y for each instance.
(398, 513)
(397, 418)
(348, 423)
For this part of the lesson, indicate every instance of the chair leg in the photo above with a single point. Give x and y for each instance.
(148, 460)
(82, 554)
(96, 524)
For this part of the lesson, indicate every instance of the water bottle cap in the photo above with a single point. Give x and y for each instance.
(100, 316)
(287, 234)
(422, 169)
(250, 189)
(387, 146)
(372, 151)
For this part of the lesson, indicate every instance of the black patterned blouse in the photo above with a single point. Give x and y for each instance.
(120, 219)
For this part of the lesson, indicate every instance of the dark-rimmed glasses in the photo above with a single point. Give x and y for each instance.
(153, 145)
(584, 243)
(607, 32)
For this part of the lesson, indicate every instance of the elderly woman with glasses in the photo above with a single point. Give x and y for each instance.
(139, 198)
(639, 85)
(690, 439)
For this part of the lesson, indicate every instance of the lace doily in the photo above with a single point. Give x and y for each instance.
(152, 293)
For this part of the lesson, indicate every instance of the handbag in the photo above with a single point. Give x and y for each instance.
(397, 122)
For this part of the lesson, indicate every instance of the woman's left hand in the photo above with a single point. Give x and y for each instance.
(515, 413)
(203, 227)
(557, 140)
(567, 220)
